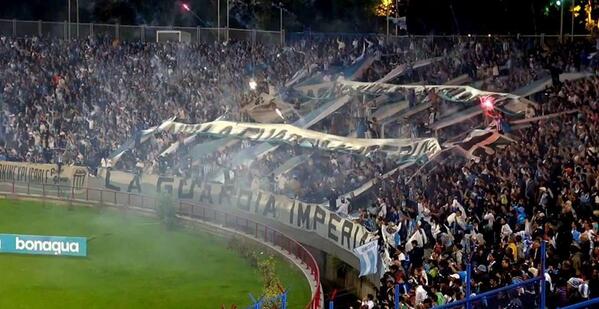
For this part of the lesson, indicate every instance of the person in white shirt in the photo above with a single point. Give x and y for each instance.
(383, 209)
(343, 208)
(490, 218)
(368, 301)
(340, 44)
(419, 236)
(421, 294)
(457, 218)
(455, 205)
(506, 230)
(389, 232)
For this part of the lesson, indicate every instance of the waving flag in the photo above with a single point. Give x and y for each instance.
(368, 255)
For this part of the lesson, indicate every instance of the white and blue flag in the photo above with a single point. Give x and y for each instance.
(368, 255)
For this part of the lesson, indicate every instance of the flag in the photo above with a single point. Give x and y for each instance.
(402, 24)
(368, 255)
(399, 21)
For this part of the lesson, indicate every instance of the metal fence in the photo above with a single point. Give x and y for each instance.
(147, 33)
(589, 304)
(525, 294)
(548, 39)
(143, 33)
(256, 230)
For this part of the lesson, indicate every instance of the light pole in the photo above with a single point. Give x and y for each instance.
(282, 11)
(69, 23)
(77, 7)
(280, 7)
(572, 26)
(218, 21)
(387, 23)
(227, 20)
(281, 25)
(561, 20)
(396, 17)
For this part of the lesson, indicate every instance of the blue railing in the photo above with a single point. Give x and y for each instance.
(591, 303)
(528, 293)
(279, 302)
(501, 294)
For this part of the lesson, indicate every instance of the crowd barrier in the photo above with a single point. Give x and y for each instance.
(219, 217)
(591, 303)
(525, 294)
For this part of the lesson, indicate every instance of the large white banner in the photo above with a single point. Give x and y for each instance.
(43, 174)
(402, 68)
(399, 149)
(447, 92)
(141, 136)
(304, 217)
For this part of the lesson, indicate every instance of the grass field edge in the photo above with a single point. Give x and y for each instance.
(191, 224)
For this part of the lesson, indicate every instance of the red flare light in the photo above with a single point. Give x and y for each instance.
(487, 103)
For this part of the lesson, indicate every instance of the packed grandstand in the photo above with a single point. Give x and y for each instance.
(499, 182)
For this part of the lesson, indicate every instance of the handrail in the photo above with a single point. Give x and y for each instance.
(246, 226)
(592, 301)
(490, 293)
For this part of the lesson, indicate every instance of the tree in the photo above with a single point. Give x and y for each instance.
(272, 283)
(590, 24)
(385, 8)
(167, 211)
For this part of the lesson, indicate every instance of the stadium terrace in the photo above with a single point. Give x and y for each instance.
(420, 172)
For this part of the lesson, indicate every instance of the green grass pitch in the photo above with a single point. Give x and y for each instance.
(133, 262)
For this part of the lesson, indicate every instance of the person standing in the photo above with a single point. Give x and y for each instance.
(411, 98)
(332, 200)
(343, 207)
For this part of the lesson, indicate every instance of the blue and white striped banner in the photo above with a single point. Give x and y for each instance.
(368, 255)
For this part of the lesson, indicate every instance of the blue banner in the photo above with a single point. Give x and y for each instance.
(368, 255)
(44, 245)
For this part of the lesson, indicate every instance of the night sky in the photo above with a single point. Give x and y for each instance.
(424, 16)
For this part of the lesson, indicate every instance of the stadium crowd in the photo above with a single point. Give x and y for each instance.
(75, 102)
(494, 213)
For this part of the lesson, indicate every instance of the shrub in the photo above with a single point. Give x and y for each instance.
(266, 264)
(167, 211)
